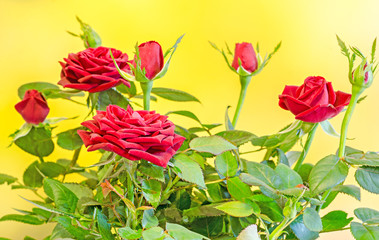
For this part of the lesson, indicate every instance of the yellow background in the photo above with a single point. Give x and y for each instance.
(33, 40)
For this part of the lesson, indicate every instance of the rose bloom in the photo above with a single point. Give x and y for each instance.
(33, 107)
(132, 134)
(245, 52)
(151, 56)
(93, 69)
(314, 101)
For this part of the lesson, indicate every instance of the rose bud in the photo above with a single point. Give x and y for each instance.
(33, 107)
(93, 70)
(362, 76)
(151, 57)
(89, 36)
(244, 53)
(314, 101)
(132, 134)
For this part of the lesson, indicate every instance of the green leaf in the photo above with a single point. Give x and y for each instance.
(289, 177)
(64, 198)
(344, 49)
(305, 170)
(111, 96)
(312, 220)
(237, 137)
(329, 129)
(373, 50)
(327, 173)
(271, 210)
(263, 173)
(151, 190)
(174, 95)
(128, 233)
(203, 211)
(132, 90)
(365, 159)
(226, 164)
(69, 139)
(368, 178)
(151, 170)
(301, 231)
(190, 170)
(4, 178)
(59, 93)
(32, 177)
(364, 232)
(335, 220)
(179, 232)
(39, 86)
(79, 190)
(249, 233)
(238, 189)
(366, 214)
(149, 219)
(154, 233)
(351, 190)
(254, 181)
(51, 169)
(104, 226)
(212, 144)
(185, 114)
(236, 208)
(75, 231)
(28, 219)
(37, 142)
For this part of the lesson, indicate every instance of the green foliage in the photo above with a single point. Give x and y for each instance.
(312, 220)
(237, 137)
(63, 198)
(236, 208)
(69, 139)
(5, 178)
(179, 232)
(111, 96)
(174, 95)
(104, 226)
(28, 219)
(226, 164)
(189, 170)
(335, 220)
(364, 232)
(37, 142)
(212, 144)
(368, 178)
(151, 190)
(327, 173)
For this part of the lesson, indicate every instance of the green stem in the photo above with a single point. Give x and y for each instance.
(307, 145)
(268, 154)
(278, 230)
(146, 89)
(75, 157)
(244, 80)
(356, 92)
(41, 159)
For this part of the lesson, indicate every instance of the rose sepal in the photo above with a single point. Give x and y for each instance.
(241, 71)
(123, 74)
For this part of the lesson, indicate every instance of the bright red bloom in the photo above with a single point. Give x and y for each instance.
(245, 52)
(132, 134)
(151, 56)
(314, 101)
(33, 107)
(93, 69)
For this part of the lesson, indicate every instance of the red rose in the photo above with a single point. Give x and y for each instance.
(245, 52)
(33, 107)
(93, 69)
(314, 101)
(151, 56)
(132, 134)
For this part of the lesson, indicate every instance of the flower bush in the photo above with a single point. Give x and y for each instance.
(158, 180)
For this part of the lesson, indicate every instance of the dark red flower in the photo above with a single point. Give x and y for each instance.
(93, 69)
(33, 107)
(132, 134)
(151, 56)
(245, 52)
(314, 101)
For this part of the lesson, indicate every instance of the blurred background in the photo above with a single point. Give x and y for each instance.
(33, 39)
